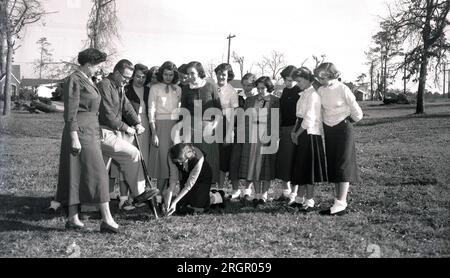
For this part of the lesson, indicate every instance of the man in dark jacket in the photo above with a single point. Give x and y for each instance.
(116, 115)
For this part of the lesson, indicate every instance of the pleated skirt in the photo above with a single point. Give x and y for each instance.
(309, 163)
(341, 153)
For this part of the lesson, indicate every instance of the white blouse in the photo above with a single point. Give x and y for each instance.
(163, 102)
(229, 99)
(338, 102)
(309, 108)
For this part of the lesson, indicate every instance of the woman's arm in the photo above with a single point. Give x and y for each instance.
(192, 179)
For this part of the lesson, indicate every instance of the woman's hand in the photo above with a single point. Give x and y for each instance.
(294, 137)
(155, 140)
(76, 146)
(172, 208)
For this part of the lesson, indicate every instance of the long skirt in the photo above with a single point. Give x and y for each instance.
(224, 150)
(285, 155)
(341, 153)
(309, 160)
(158, 163)
(256, 166)
(83, 178)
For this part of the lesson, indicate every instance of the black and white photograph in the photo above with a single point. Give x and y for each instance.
(239, 129)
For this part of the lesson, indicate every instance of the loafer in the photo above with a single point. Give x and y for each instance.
(73, 227)
(147, 195)
(307, 209)
(107, 229)
(327, 212)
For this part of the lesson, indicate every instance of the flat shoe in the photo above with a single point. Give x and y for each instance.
(74, 227)
(107, 229)
(328, 213)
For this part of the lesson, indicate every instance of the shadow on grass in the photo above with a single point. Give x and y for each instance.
(12, 225)
(26, 208)
(379, 121)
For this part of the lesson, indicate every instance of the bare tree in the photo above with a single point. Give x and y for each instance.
(15, 15)
(45, 59)
(318, 60)
(102, 25)
(276, 62)
(360, 79)
(423, 24)
(209, 69)
(240, 61)
(262, 65)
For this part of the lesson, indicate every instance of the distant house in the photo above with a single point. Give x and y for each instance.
(42, 87)
(15, 81)
(361, 95)
(34, 83)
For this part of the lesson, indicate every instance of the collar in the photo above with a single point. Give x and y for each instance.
(199, 85)
(114, 82)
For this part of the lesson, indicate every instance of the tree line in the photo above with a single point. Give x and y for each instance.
(411, 40)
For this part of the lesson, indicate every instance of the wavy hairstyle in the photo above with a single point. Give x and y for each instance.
(167, 66)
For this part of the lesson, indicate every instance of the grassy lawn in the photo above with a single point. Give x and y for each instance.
(402, 206)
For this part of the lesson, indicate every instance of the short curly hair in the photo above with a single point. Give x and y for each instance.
(225, 68)
(92, 56)
(198, 67)
(167, 66)
(267, 82)
(303, 72)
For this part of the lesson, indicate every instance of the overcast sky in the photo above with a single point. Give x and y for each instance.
(153, 31)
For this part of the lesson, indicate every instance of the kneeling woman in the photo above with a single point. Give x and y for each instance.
(188, 165)
(309, 161)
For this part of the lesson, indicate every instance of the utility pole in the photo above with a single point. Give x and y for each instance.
(229, 46)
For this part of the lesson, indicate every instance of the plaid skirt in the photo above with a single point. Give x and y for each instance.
(341, 153)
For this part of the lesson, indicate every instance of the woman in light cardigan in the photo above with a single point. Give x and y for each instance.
(339, 110)
(164, 100)
(309, 161)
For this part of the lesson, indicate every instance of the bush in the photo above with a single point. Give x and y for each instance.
(390, 98)
(27, 94)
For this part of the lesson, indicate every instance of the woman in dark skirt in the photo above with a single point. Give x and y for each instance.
(229, 101)
(339, 110)
(82, 173)
(188, 166)
(309, 162)
(285, 154)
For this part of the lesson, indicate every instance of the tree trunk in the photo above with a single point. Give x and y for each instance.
(2, 55)
(422, 82)
(371, 81)
(7, 88)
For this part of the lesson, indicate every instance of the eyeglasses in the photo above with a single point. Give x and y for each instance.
(140, 77)
(125, 77)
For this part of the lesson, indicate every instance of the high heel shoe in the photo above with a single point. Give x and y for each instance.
(105, 228)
